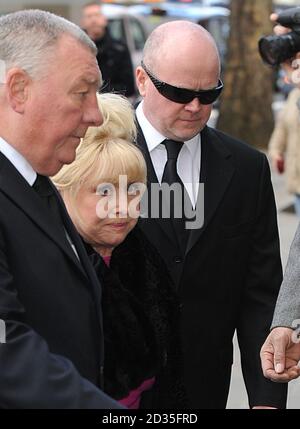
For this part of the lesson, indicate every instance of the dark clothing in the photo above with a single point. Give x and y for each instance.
(45, 190)
(115, 64)
(141, 324)
(51, 304)
(229, 277)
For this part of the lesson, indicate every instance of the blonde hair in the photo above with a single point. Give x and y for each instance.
(106, 152)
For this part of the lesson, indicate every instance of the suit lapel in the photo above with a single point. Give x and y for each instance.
(141, 142)
(216, 172)
(165, 224)
(21, 194)
(90, 272)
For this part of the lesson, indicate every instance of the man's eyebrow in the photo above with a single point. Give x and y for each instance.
(94, 81)
(90, 81)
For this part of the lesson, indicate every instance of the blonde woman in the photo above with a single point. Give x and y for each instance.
(102, 190)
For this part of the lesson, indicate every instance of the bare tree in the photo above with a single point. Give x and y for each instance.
(246, 104)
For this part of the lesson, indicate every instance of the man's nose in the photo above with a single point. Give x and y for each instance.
(92, 114)
(97, 117)
(194, 105)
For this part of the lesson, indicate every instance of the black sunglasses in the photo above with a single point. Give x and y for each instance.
(183, 95)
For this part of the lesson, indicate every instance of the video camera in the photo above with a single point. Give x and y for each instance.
(274, 50)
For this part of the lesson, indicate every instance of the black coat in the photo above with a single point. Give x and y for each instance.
(116, 67)
(51, 304)
(141, 324)
(229, 277)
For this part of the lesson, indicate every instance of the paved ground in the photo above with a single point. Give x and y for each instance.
(287, 226)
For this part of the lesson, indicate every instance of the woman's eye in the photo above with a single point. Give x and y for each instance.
(104, 190)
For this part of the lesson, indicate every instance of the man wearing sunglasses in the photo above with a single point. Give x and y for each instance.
(227, 270)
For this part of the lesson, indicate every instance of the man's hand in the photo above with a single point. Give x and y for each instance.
(280, 356)
(279, 29)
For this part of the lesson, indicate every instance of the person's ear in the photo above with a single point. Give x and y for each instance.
(141, 79)
(17, 88)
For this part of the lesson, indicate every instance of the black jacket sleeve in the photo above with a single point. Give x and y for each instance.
(31, 376)
(262, 284)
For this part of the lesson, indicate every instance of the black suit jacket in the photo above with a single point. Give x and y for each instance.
(114, 61)
(50, 302)
(229, 277)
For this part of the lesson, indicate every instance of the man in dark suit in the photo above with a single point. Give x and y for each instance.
(226, 267)
(113, 56)
(50, 298)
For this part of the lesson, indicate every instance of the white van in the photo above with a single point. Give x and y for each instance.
(214, 19)
(132, 24)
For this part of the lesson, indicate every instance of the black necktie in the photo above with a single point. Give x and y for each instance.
(44, 189)
(171, 176)
(170, 172)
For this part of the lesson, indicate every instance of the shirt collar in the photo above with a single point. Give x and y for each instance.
(154, 138)
(193, 145)
(18, 161)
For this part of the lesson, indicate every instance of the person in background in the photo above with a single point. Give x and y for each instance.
(141, 313)
(284, 145)
(113, 56)
(280, 353)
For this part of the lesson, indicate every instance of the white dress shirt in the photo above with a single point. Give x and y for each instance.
(18, 161)
(189, 158)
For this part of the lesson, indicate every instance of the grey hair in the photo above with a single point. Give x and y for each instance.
(28, 37)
